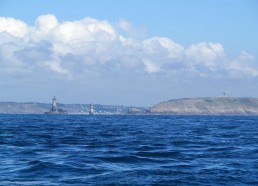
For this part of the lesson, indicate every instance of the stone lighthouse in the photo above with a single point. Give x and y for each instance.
(54, 104)
(55, 109)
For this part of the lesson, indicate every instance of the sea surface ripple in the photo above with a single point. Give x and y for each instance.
(128, 150)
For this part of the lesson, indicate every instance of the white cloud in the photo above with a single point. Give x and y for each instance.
(163, 45)
(13, 27)
(243, 65)
(46, 23)
(210, 55)
(85, 30)
(78, 48)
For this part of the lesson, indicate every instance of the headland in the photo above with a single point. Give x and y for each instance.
(208, 106)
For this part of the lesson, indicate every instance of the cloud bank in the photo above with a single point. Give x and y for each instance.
(97, 53)
(74, 49)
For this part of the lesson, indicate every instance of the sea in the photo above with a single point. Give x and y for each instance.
(128, 150)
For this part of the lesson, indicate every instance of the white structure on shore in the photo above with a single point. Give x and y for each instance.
(91, 111)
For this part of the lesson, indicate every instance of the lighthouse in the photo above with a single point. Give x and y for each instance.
(54, 104)
(91, 111)
(55, 109)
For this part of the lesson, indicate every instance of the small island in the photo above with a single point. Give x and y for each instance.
(55, 109)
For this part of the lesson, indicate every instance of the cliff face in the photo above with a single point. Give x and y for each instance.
(208, 106)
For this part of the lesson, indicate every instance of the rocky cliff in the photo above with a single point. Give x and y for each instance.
(208, 106)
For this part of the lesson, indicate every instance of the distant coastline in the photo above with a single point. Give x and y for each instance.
(208, 106)
(42, 108)
(184, 106)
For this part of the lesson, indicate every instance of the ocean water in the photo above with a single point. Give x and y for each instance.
(128, 150)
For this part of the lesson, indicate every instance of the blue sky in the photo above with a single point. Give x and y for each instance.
(161, 50)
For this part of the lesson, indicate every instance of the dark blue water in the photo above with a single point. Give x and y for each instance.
(128, 150)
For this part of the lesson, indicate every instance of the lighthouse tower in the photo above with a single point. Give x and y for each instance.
(55, 109)
(91, 111)
(54, 104)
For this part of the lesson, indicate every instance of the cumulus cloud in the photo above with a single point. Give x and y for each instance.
(13, 27)
(243, 64)
(46, 23)
(79, 48)
(207, 54)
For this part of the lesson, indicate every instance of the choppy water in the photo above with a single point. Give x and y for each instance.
(128, 150)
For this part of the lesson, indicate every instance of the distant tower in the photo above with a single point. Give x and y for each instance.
(224, 94)
(91, 110)
(54, 104)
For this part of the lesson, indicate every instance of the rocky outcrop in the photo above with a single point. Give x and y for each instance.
(208, 106)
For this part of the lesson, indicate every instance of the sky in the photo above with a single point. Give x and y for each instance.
(137, 52)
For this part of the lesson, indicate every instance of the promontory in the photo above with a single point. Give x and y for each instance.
(208, 106)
